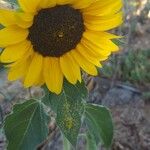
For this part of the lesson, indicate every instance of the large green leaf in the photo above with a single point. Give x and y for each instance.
(27, 126)
(99, 122)
(69, 108)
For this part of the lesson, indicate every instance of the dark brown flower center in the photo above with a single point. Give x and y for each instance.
(57, 30)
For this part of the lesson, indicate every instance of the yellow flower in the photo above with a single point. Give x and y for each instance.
(52, 39)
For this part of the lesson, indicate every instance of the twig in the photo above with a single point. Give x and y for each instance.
(2, 115)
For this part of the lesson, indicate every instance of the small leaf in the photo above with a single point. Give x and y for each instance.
(66, 143)
(119, 42)
(50, 99)
(91, 143)
(99, 122)
(68, 107)
(27, 126)
(76, 92)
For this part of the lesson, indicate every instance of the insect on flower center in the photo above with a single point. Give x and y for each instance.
(56, 31)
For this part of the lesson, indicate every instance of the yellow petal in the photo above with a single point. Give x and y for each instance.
(53, 75)
(103, 35)
(64, 2)
(87, 55)
(83, 63)
(34, 71)
(47, 3)
(7, 17)
(96, 48)
(104, 44)
(40, 81)
(80, 4)
(10, 17)
(28, 55)
(15, 52)
(24, 20)
(29, 5)
(70, 68)
(98, 4)
(24, 24)
(25, 16)
(19, 70)
(93, 50)
(12, 35)
(97, 23)
(103, 8)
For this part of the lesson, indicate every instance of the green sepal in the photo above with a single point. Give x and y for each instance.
(77, 92)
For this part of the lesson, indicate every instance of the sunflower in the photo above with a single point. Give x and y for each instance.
(49, 40)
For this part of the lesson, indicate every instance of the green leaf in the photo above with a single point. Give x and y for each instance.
(77, 91)
(50, 99)
(68, 107)
(27, 126)
(66, 143)
(99, 122)
(119, 42)
(91, 143)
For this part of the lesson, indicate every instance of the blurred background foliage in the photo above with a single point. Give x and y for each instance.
(132, 64)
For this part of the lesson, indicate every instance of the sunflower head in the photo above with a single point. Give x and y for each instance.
(56, 31)
(50, 40)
